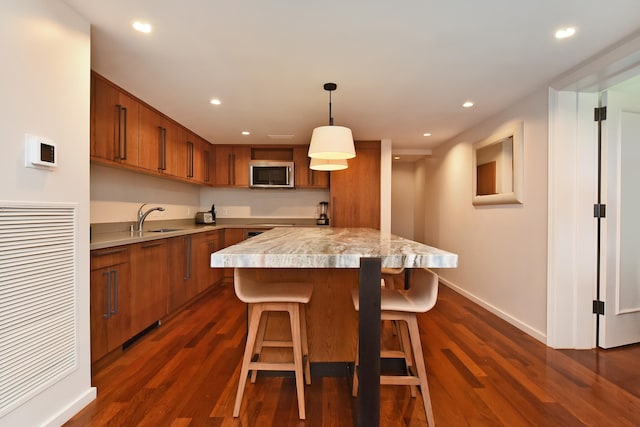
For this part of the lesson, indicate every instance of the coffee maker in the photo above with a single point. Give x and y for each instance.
(323, 219)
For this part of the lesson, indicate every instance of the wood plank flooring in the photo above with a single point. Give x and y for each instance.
(482, 372)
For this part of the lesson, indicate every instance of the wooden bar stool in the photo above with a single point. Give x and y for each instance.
(273, 297)
(399, 305)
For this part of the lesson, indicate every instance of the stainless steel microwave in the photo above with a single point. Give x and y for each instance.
(271, 174)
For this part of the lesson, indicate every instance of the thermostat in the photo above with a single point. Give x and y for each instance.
(40, 152)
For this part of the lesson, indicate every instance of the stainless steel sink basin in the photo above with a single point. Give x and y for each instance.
(164, 230)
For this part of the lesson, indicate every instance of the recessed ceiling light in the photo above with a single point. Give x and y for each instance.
(245, 132)
(143, 27)
(426, 134)
(396, 157)
(215, 101)
(467, 104)
(564, 33)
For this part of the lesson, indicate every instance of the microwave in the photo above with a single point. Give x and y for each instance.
(271, 174)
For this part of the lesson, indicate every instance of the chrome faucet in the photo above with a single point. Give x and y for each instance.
(142, 216)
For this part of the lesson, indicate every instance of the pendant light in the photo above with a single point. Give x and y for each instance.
(331, 142)
(328, 164)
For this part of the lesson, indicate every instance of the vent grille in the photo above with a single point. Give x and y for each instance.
(37, 299)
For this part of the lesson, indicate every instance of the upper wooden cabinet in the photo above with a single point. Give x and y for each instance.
(160, 149)
(355, 191)
(114, 124)
(305, 177)
(129, 133)
(195, 157)
(232, 165)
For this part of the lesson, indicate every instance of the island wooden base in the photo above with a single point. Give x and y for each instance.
(332, 322)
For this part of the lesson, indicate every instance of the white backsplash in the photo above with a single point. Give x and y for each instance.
(117, 194)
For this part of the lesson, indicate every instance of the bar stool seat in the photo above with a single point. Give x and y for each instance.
(400, 305)
(274, 297)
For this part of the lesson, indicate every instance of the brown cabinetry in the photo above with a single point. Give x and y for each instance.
(355, 191)
(189, 266)
(207, 244)
(159, 148)
(305, 177)
(195, 157)
(149, 283)
(114, 124)
(232, 165)
(110, 314)
(183, 281)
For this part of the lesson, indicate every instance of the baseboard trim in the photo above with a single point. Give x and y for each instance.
(540, 336)
(73, 408)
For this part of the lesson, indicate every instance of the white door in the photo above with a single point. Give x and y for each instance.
(620, 235)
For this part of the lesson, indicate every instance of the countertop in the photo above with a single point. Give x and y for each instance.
(320, 247)
(111, 235)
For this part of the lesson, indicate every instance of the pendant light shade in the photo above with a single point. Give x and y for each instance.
(328, 164)
(331, 142)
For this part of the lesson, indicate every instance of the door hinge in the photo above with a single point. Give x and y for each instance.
(600, 114)
(598, 307)
(599, 210)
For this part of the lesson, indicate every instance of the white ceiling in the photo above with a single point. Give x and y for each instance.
(403, 68)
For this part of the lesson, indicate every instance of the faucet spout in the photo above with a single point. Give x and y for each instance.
(143, 215)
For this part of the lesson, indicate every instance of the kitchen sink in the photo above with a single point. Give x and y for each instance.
(165, 230)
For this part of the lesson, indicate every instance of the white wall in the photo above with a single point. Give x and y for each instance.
(117, 194)
(402, 200)
(44, 82)
(501, 248)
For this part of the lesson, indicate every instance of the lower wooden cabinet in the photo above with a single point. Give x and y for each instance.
(189, 270)
(133, 286)
(110, 312)
(207, 244)
(149, 283)
(182, 278)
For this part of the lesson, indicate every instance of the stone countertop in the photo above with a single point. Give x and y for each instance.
(114, 235)
(318, 247)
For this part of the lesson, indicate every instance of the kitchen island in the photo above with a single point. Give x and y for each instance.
(330, 259)
(335, 260)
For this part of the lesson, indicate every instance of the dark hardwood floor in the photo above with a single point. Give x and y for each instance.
(482, 372)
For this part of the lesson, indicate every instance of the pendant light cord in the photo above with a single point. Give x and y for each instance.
(330, 116)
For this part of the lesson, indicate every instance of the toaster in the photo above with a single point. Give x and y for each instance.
(205, 218)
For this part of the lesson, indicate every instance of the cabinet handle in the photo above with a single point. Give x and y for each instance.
(189, 159)
(108, 284)
(124, 134)
(206, 166)
(110, 252)
(162, 148)
(115, 296)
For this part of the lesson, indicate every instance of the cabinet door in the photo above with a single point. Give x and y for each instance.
(149, 283)
(232, 165)
(182, 281)
(207, 276)
(110, 320)
(114, 124)
(196, 157)
(159, 148)
(305, 177)
(206, 165)
(355, 191)
(99, 310)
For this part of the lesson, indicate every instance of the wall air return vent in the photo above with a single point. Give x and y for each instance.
(37, 298)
